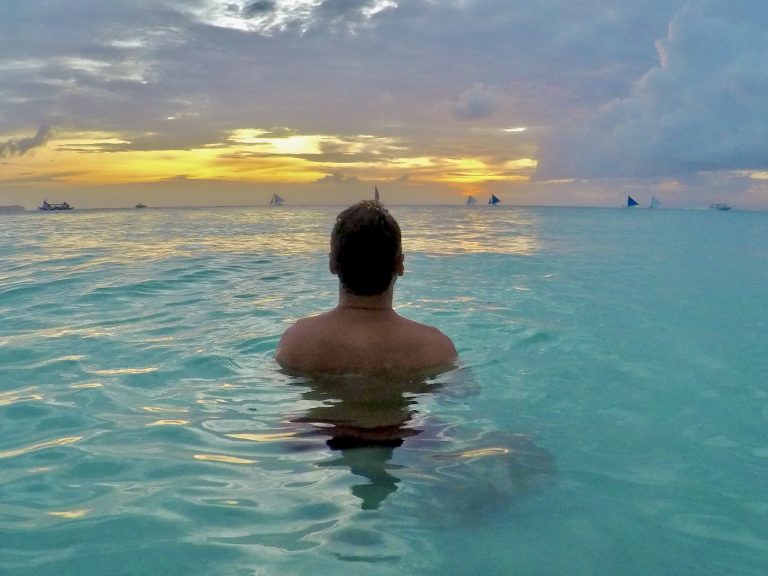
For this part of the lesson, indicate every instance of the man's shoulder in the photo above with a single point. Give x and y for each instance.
(441, 346)
(423, 344)
(425, 331)
(305, 329)
(327, 341)
(305, 324)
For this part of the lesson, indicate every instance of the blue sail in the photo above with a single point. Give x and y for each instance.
(631, 201)
(494, 200)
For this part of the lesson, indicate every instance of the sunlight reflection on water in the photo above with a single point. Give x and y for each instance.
(469, 231)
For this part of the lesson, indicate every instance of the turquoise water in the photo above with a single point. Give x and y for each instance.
(610, 415)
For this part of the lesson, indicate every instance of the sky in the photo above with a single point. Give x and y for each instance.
(224, 102)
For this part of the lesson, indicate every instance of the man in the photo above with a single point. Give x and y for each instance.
(363, 334)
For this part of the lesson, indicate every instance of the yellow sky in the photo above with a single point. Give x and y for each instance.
(99, 169)
(78, 161)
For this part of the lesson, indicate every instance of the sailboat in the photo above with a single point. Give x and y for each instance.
(494, 200)
(471, 200)
(654, 203)
(631, 202)
(376, 193)
(276, 200)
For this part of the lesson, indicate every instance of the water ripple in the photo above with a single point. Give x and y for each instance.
(610, 386)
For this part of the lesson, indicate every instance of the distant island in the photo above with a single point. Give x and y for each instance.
(12, 209)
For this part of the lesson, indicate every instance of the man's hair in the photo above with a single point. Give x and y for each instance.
(365, 247)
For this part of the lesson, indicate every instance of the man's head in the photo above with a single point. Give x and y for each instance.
(366, 253)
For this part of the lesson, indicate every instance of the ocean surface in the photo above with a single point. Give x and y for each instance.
(609, 416)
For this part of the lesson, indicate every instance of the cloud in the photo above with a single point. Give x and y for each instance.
(475, 102)
(272, 17)
(258, 8)
(224, 64)
(701, 109)
(20, 146)
(336, 178)
(435, 79)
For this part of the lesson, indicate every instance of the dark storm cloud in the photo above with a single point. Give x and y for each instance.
(700, 109)
(258, 8)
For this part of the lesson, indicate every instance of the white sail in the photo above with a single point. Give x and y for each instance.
(276, 200)
(376, 193)
(654, 203)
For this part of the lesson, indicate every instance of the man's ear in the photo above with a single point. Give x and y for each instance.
(332, 265)
(400, 265)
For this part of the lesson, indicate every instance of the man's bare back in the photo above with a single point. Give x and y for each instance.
(363, 334)
(363, 340)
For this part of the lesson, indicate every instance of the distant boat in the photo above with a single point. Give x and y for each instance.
(494, 200)
(631, 201)
(471, 200)
(654, 203)
(720, 206)
(376, 193)
(276, 200)
(140, 205)
(46, 206)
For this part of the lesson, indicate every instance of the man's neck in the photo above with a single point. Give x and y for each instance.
(349, 301)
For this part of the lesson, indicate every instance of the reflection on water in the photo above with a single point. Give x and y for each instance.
(366, 420)
(159, 235)
(164, 235)
(39, 446)
(373, 464)
(481, 481)
(470, 231)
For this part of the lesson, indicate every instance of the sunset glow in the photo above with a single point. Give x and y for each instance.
(252, 156)
(225, 101)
